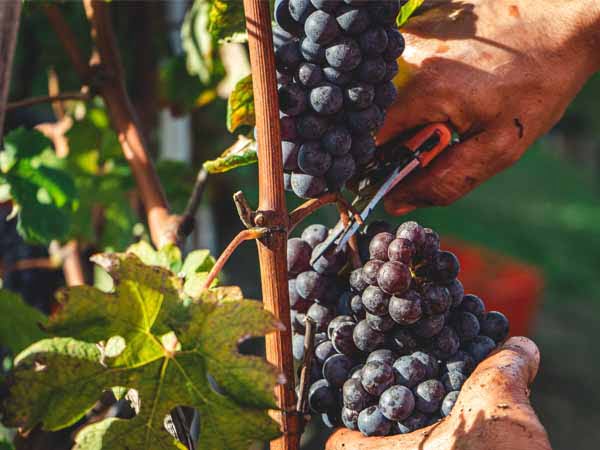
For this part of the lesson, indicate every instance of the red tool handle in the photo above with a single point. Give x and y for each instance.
(439, 132)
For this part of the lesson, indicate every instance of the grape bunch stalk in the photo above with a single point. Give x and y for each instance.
(396, 338)
(335, 63)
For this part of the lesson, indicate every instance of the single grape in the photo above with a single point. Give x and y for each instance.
(495, 326)
(329, 262)
(394, 277)
(314, 234)
(342, 169)
(358, 309)
(453, 381)
(337, 321)
(297, 302)
(311, 127)
(337, 76)
(359, 96)
(474, 305)
(311, 285)
(461, 362)
(376, 377)
(457, 292)
(350, 418)
(414, 422)
(281, 37)
(321, 27)
(406, 309)
(326, 99)
(367, 339)
(323, 351)
(429, 396)
(436, 299)
(385, 12)
(383, 354)
(429, 326)
(312, 160)
(430, 363)
(355, 397)
(371, 422)
(288, 129)
(449, 402)
(401, 250)
(385, 94)
(336, 369)
(307, 186)
(378, 248)
(480, 347)
(465, 324)
(300, 9)
(321, 315)
(311, 51)
(284, 19)
(298, 346)
(444, 267)
(337, 140)
(298, 256)
(413, 232)
(322, 397)
(402, 341)
(395, 46)
(309, 74)
(373, 41)
(289, 152)
(344, 54)
(397, 403)
(380, 323)
(410, 371)
(365, 121)
(446, 343)
(287, 58)
(352, 20)
(343, 339)
(363, 149)
(391, 70)
(375, 300)
(372, 70)
(356, 281)
(292, 99)
(370, 270)
(431, 245)
(320, 338)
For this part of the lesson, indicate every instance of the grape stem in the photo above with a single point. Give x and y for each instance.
(242, 236)
(47, 99)
(309, 344)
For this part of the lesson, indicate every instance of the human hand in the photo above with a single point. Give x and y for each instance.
(502, 72)
(492, 411)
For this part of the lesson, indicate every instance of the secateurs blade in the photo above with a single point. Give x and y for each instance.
(420, 149)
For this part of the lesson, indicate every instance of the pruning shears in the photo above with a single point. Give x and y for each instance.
(420, 150)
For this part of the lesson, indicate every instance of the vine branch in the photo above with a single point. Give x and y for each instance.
(309, 207)
(47, 99)
(188, 222)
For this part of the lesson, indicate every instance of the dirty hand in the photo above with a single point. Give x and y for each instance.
(492, 411)
(501, 72)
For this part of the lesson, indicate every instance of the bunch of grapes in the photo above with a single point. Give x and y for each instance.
(335, 63)
(405, 337)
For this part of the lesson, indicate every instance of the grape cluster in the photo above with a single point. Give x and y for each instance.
(395, 348)
(335, 63)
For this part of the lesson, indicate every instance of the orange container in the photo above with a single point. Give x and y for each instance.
(503, 283)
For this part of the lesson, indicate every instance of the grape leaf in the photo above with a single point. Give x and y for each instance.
(226, 19)
(240, 105)
(171, 352)
(43, 193)
(19, 326)
(407, 10)
(242, 153)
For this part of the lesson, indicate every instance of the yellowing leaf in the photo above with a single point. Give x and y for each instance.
(407, 10)
(242, 153)
(240, 106)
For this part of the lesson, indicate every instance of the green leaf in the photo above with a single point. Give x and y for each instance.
(168, 256)
(407, 11)
(19, 327)
(22, 143)
(240, 106)
(198, 261)
(226, 19)
(242, 153)
(176, 350)
(178, 179)
(198, 43)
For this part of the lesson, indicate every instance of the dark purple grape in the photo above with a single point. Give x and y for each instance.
(461, 362)
(373, 41)
(365, 121)
(337, 321)
(367, 339)
(372, 70)
(355, 397)
(385, 12)
(453, 381)
(326, 99)
(363, 149)
(429, 396)
(444, 267)
(378, 248)
(359, 96)
(284, 19)
(321, 27)
(385, 94)
(298, 346)
(401, 250)
(300, 9)
(307, 186)
(337, 77)
(414, 422)
(466, 325)
(495, 326)
(473, 304)
(436, 299)
(311, 127)
(320, 338)
(312, 160)
(311, 51)
(314, 234)
(480, 347)
(323, 351)
(298, 321)
(431, 245)
(309, 74)
(394, 278)
(446, 343)
(409, 371)
(281, 37)
(430, 363)
(329, 262)
(321, 315)
(311, 285)
(406, 309)
(297, 302)
(457, 292)
(343, 339)
(402, 341)
(395, 46)
(370, 271)
(413, 232)
(371, 422)
(289, 152)
(397, 403)
(337, 140)
(287, 58)
(292, 99)
(376, 377)
(336, 369)
(358, 309)
(352, 20)
(356, 281)
(375, 300)
(429, 326)
(282, 79)
(391, 70)
(350, 418)
(322, 397)
(380, 323)
(342, 169)
(384, 355)
(344, 54)
(288, 129)
(326, 5)
(298, 256)
(449, 402)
